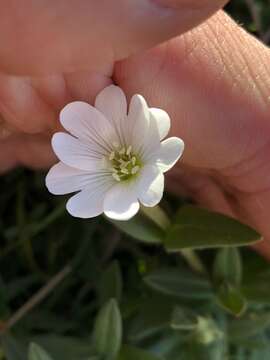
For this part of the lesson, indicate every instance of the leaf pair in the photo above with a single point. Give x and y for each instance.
(191, 228)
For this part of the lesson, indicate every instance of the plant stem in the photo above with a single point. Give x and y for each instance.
(160, 218)
(36, 299)
(193, 260)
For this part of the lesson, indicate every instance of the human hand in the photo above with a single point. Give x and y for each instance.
(214, 82)
(54, 52)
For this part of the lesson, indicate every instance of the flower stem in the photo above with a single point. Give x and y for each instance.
(36, 298)
(157, 215)
(161, 219)
(193, 260)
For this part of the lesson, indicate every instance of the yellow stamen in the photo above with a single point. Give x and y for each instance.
(125, 171)
(129, 150)
(135, 170)
(112, 155)
(116, 177)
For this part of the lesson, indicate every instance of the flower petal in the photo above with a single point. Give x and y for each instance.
(152, 142)
(89, 202)
(163, 121)
(112, 102)
(63, 179)
(138, 121)
(75, 153)
(170, 151)
(150, 185)
(120, 202)
(88, 124)
(144, 135)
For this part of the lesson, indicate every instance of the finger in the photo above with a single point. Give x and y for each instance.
(23, 107)
(56, 36)
(26, 150)
(217, 93)
(32, 105)
(189, 183)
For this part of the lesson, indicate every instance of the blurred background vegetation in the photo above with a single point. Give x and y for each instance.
(68, 285)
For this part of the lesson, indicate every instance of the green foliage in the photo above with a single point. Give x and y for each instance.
(141, 228)
(132, 353)
(227, 276)
(121, 298)
(196, 228)
(111, 283)
(108, 330)
(228, 266)
(37, 353)
(126, 299)
(180, 283)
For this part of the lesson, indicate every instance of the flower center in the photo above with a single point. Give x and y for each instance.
(124, 164)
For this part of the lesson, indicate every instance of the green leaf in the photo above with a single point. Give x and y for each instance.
(198, 228)
(259, 355)
(108, 330)
(141, 228)
(152, 317)
(180, 283)
(228, 266)
(37, 353)
(227, 276)
(183, 319)
(111, 284)
(66, 347)
(231, 299)
(132, 353)
(256, 274)
(257, 292)
(251, 325)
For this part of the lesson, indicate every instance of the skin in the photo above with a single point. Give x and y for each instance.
(214, 81)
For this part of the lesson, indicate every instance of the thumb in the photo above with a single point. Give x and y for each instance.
(67, 36)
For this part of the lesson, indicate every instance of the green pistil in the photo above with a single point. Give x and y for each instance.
(124, 164)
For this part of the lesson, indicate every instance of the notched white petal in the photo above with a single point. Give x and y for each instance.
(170, 151)
(138, 121)
(120, 202)
(87, 123)
(163, 121)
(84, 205)
(112, 102)
(62, 179)
(89, 202)
(150, 185)
(75, 153)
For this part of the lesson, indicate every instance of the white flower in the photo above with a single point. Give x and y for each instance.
(113, 159)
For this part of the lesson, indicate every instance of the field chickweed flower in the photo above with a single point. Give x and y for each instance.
(113, 158)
